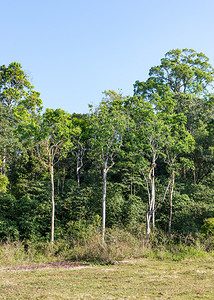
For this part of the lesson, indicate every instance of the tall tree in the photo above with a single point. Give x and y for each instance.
(178, 142)
(184, 80)
(80, 141)
(181, 71)
(53, 141)
(108, 122)
(17, 95)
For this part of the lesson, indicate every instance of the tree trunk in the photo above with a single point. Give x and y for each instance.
(153, 198)
(148, 218)
(80, 155)
(104, 201)
(78, 178)
(170, 202)
(3, 165)
(58, 180)
(194, 176)
(52, 201)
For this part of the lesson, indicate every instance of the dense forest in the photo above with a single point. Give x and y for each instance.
(142, 163)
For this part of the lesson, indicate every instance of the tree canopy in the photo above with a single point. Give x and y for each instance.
(142, 162)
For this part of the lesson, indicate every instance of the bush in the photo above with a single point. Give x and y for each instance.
(208, 228)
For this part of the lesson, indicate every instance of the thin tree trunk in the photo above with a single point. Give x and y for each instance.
(58, 180)
(3, 165)
(78, 178)
(153, 198)
(104, 201)
(170, 203)
(53, 203)
(78, 170)
(150, 210)
(80, 155)
(148, 218)
(194, 177)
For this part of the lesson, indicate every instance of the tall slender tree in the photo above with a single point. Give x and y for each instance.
(53, 141)
(108, 122)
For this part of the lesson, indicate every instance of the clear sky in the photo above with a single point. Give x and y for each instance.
(74, 50)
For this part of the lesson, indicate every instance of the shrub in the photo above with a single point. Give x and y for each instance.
(208, 228)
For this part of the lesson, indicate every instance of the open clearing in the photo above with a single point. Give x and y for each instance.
(132, 279)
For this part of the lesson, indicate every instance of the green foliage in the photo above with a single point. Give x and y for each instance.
(208, 227)
(182, 71)
(3, 183)
(134, 211)
(162, 135)
(114, 207)
(108, 123)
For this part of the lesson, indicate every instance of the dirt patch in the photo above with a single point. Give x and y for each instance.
(49, 265)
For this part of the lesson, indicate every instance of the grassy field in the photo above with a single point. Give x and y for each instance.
(132, 279)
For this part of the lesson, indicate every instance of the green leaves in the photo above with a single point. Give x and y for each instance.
(3, 183)
(180, 72)
(54, 135)
(108, 124)
(17, 92)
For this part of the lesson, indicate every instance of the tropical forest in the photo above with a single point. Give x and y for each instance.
(133, 177)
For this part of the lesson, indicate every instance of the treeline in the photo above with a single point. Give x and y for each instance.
(141, 162)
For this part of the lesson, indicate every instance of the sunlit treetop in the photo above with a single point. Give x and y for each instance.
(180, 71)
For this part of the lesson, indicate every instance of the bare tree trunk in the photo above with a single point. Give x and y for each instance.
(78, 178)
(78, 169)
(52, 201)
(58, 180)
(80, 155)
(148, 218)
(153, 198)
(3, 165)
(170, 202)
(105, 170)
(151, 210)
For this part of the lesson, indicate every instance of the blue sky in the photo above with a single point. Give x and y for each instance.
(74, 50)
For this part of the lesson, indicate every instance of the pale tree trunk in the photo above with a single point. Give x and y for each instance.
(153, 197)
(78, 178)
(78, 169)
(52, 201)
(105, 170)
(3, 165)
(80, 155)
(170, 202)
(150, 210)
(58, 181)
(148, 219)
(151, 194)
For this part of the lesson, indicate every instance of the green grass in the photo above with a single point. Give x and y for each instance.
(143, 278)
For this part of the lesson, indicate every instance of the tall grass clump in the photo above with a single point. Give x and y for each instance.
(83, 243)
(119, 244)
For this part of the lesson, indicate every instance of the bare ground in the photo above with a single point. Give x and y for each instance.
(49, 265)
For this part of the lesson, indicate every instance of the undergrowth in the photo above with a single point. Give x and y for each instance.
(119, 244)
